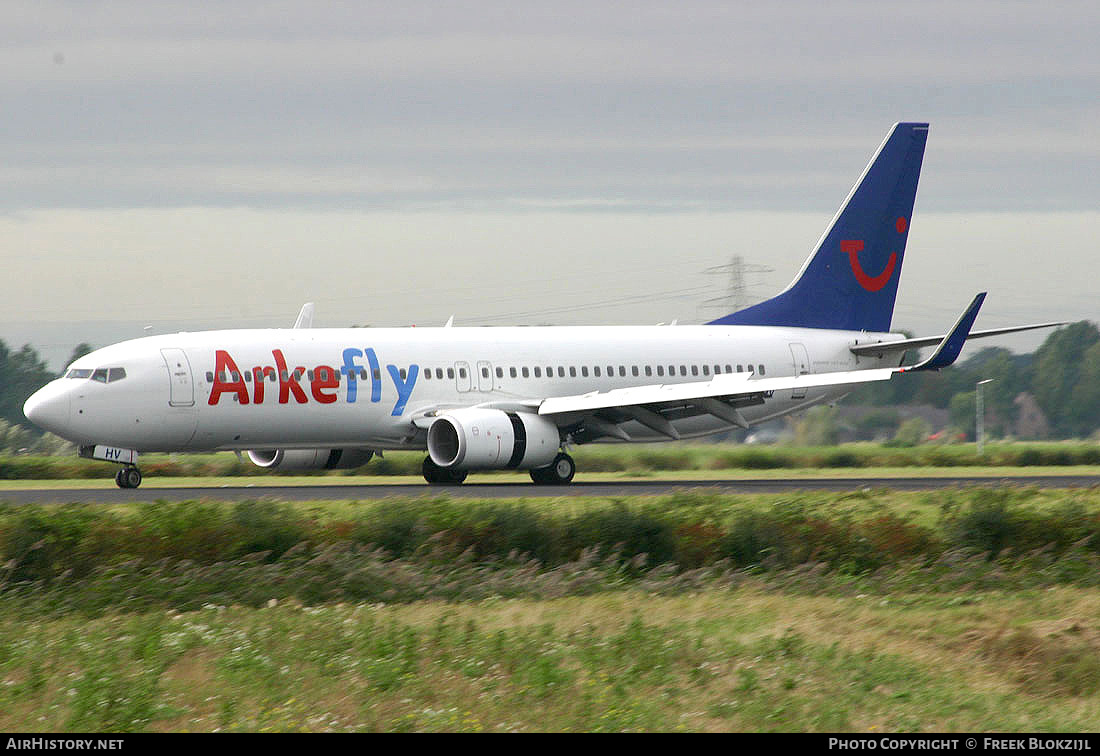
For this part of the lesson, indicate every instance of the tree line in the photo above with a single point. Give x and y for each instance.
(1062, 377)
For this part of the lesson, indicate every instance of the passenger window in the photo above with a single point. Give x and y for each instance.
(634, 370)
(695, 370)
(610, 371)
(461, 373)
(450, 373)
(683, 370)
(404, 373)
(377, 373)
(739, 370)
(526, 373)
(706, 369)
(561, 372)
(512, 372)
(538, 372)
(439, 374)
(309, 375)
(761, 369)
(750, 368)
(247, 377)
(500, 372)
(572, 372)
(660, 370)
(648, 371)
(729, 368)
(549, 372)
(622, 371)
(428, 374)
(209, 376)
(485, 372)
(596, 371)
(584, 371)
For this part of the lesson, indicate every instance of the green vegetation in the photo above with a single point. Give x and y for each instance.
(960, 610)
(636, 459)
(757, 659)
(1063, 375)
(182, 555)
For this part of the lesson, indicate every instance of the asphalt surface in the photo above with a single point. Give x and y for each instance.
(529, 490)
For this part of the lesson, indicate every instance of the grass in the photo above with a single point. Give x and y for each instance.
(106, 481)
(718, 660)
(875, 611)
(635, 460)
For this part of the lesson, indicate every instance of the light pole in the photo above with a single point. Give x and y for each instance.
(979, 418)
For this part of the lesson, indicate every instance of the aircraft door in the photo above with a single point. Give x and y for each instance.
(484, 376)
(802, 366)
(179, 375)
(462, 376)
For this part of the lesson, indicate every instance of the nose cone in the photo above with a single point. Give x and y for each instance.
(48, 408)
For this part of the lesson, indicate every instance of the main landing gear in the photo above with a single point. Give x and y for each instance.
(441, 476)
(559, 473)
(128, 477)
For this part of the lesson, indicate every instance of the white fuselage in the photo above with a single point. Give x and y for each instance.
(172, 397)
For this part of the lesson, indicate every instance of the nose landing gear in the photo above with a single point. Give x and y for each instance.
(128, 477)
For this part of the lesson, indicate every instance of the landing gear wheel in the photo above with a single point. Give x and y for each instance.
(128, 477)
(441, 476)
(560, 472)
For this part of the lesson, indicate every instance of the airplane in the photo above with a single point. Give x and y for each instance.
(517, 398)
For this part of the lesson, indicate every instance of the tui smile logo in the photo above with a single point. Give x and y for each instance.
(854, 247)
(871, 283)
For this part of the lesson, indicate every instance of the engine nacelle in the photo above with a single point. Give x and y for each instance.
(488, 439)
(310, 459)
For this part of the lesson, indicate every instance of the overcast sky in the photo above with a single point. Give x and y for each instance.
(197, 165)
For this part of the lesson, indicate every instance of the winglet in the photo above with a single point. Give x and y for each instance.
(952, 344)
(305, 317)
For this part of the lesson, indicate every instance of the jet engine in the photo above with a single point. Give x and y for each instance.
(310, 459)
(488, 439)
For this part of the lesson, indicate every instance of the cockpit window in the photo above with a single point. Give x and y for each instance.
(100, 375)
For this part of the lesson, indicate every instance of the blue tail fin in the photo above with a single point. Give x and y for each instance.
(851, 279)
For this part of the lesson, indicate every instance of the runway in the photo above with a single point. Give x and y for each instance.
(518, 490)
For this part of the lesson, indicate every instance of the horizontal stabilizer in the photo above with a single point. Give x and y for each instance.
(893, 347)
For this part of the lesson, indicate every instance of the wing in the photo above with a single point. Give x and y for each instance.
(657, 405)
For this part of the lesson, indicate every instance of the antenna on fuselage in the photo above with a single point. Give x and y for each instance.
(305, 317)
(450, 322)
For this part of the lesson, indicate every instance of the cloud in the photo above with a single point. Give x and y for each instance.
(572, 104)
